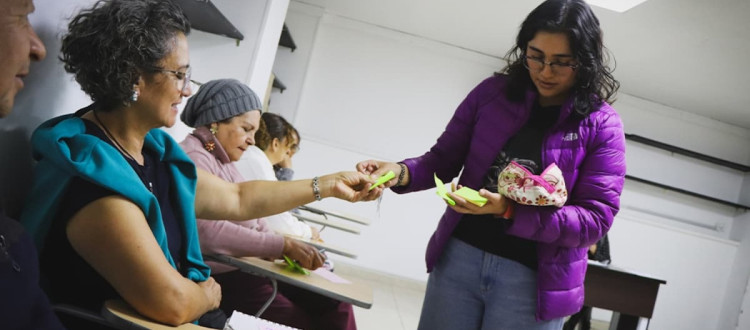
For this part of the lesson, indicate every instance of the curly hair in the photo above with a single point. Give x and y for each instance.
(275, 127)
(108, 46)
(594, 81)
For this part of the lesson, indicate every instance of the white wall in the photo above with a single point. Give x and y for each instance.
(369, 92)
(291, 66)
(215, 57)
(692, 264)
(736, 309)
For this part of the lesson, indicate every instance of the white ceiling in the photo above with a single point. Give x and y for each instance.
(693, 55)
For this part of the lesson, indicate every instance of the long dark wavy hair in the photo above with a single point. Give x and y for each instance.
(110, 45)
(594, 81)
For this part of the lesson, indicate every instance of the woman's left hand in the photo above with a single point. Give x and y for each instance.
(496, 203)
(315, 235)
(349, 186)
(286, 161)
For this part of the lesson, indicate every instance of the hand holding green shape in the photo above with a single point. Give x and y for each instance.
(442, 192)
(471, 195)
(383, 179)
(295, 267)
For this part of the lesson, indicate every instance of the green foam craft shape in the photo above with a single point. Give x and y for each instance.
(383, 179)
(470, 195)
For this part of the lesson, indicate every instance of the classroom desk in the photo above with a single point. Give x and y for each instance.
(321, 245)
(357, 294)
(325, 213)
(122, 316)
(326, 223)
(627, 294)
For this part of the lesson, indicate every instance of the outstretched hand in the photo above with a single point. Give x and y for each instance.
(375, 169)
(350, 186)
(496, 203)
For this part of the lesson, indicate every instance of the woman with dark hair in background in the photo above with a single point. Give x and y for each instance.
(226, 115)
(507, 265)
(275, 143)
(114, 198)
(283, 169)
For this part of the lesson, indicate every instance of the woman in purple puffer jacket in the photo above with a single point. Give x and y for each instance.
(511, 266)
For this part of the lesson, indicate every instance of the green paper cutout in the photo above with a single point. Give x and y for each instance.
(383, 179)
(470, 195)
(295, 267)
(442, 192)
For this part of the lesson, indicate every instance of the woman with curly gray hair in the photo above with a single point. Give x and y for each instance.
(114, 199)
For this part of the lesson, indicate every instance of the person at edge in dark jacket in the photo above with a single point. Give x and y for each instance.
(506, 265)
(23, 304)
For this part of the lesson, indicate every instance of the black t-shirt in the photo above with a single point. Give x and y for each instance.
(70, 279)
(486, 231)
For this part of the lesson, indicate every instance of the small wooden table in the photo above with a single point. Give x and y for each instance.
(628, 294)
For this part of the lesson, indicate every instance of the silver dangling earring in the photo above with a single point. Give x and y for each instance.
(135, 95)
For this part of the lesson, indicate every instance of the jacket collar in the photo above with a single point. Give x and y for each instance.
(64, 151)
(211, 144)
(565, 110)
(60, 136)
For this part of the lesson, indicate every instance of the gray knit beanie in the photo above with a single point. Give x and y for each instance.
(217, 100)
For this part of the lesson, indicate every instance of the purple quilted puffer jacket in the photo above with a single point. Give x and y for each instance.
(589, 151)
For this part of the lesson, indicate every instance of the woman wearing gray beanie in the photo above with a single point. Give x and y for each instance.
(226, 116)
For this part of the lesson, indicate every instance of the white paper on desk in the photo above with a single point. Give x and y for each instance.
(328, 275)
(242, 321)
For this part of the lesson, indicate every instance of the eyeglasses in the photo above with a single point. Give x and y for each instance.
(183, 78)
(294, 148)
(537, 64)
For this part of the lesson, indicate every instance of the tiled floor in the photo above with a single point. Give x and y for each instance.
(396, 302)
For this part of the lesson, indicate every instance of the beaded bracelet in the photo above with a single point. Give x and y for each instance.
(401, 175)
(316, 188)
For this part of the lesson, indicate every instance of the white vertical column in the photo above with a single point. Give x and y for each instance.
(266, 44)
(217, 57)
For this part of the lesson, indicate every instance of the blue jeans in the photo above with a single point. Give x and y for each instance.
(472, 289)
